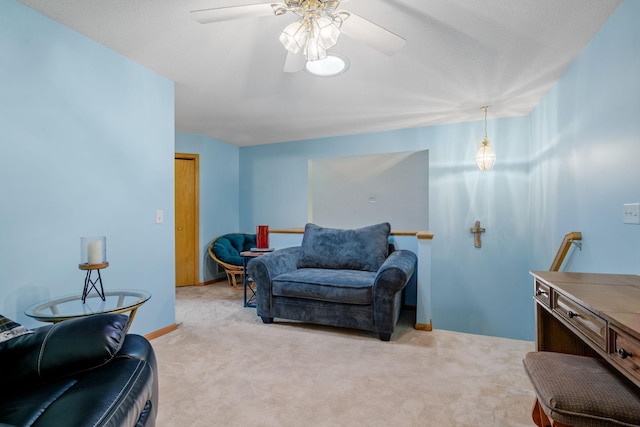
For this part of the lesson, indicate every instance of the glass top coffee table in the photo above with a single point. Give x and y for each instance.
(71, 307)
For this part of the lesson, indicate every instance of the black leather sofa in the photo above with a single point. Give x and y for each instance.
(80, 372)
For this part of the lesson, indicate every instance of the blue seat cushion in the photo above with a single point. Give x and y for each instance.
(342, 286)
(227, 248)
(364, 248)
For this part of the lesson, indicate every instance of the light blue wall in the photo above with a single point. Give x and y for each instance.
(88, 145)
(466, 281)
(219, 191)
(87, 141)
(568, 166)
(586, 152)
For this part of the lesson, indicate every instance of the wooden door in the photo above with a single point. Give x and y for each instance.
(186, 218)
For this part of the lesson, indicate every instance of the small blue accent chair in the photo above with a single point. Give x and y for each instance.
(225, 250)
(346, 278)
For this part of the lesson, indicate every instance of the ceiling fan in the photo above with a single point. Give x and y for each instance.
(317, 30)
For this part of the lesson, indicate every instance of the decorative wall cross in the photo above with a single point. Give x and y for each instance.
(477, 230)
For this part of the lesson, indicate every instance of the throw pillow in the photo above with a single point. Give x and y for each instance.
(10, 329)
(358, 249)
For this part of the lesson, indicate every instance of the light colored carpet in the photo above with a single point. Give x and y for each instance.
(224, 367)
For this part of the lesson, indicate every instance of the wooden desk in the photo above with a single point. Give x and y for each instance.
(590, 314)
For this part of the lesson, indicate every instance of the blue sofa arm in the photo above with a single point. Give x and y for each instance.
(394, 274)
(264, 268)
(392, 277)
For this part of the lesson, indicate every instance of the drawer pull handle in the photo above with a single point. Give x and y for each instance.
(624, 353)
(571, 314)
(539, 292)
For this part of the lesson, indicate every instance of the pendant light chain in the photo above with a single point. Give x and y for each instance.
(485, 108)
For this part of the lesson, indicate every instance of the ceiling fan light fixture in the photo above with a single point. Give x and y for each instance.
(279, 9)
(294, 36)
(327, 31)
(316, 31)
(331, 66)
(318, 27)
(314, 51)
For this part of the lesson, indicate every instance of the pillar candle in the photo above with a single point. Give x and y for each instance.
(262, 236)
(95, 252)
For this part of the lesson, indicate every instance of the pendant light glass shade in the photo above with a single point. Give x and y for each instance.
(485, 157)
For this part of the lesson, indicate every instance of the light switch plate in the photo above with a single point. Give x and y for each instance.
(159, 216)
(631, 213)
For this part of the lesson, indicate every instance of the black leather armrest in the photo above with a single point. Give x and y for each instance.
(62, 349)
(138, 347)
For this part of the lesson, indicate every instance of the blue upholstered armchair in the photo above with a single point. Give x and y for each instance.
(344, 278)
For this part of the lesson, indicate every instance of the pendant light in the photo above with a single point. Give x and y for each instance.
(485, 157)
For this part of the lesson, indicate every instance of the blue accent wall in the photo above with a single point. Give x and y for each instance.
(466, 281)
(586, 152)
(219, 192)
(87, 141)
(570, 165)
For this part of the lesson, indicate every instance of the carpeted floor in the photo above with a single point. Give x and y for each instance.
(224, 367)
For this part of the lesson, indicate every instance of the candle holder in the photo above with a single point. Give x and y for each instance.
(93, 250)
(93, 257)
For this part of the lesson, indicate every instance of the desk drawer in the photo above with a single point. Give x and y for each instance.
(625, 351)
(588, 323)
(542, 293)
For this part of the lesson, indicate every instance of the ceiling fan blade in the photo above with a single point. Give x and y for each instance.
(381, 39)
(294, 62)
(207, 16)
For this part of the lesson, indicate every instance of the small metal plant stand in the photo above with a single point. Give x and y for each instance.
(90, 283)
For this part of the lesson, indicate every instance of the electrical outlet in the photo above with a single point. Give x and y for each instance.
(631, 213)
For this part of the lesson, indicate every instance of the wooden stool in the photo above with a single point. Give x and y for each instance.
(580, 391)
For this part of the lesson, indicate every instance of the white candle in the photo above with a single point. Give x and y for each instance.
(94, 250)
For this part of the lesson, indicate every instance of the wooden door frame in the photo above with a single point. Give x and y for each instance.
(196, 159)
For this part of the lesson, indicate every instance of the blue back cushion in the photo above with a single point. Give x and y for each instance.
(228, 247)
(362, 249)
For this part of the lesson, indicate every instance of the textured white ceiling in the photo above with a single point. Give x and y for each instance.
(459, 56)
